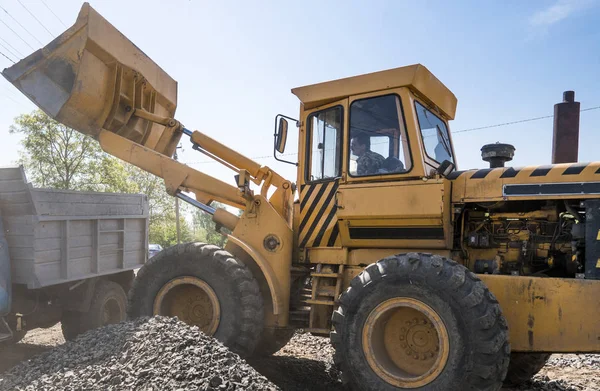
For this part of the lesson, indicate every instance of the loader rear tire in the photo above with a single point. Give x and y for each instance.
(205, 286)
(523, 366)
(108, 306)
(420, 321)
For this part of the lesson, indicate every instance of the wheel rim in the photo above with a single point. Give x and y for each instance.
(405, 342)
(112, 312)
(192, 300)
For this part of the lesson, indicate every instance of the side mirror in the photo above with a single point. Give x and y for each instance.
(281, 135)
(445, 168)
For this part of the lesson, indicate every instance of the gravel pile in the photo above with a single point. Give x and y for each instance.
(146, 354)
(165, 354)
(589, 361)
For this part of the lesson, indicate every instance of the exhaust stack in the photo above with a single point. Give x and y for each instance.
(565, 142)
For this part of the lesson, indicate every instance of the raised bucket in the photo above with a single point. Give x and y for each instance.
(92, 77)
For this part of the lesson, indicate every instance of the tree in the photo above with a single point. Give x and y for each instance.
(205, 228)
(54, 155)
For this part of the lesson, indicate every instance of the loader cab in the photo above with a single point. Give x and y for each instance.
(397, 132)
(369, 146)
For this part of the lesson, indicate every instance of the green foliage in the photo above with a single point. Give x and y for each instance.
(54, 155)
(204, 227)
(164, 231)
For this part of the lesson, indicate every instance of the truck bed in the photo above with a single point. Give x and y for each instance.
(57, 236)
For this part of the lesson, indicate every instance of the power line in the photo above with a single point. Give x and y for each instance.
(14, 100)
(50, 9)
(8, 58)
(8, 50)
(17, 34)
(13, 48)
(23, 27)
(517, 122)
(41, 24)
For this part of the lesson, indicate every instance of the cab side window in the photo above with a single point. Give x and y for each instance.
(435, 135)
(324, 144)
(378, 139)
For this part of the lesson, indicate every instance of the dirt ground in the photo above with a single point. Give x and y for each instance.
(306, 364)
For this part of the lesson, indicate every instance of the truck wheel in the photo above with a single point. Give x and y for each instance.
(523, 366)
(420, 321)
(205, 286)
(272, 340)
(108, 306)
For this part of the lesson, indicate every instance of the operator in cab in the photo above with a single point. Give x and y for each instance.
(368, 162)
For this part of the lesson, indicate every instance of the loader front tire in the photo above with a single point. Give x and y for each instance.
(523, 366)
(420, 321)
(205, 286)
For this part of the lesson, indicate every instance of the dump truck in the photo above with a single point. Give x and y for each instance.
(423, 276)
(66, 256)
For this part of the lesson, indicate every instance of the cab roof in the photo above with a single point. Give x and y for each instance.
(416, 77)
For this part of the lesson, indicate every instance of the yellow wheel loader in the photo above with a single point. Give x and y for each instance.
(423, 276)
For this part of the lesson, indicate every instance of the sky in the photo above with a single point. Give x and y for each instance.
(236, 62)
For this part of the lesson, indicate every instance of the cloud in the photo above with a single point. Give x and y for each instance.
(558, 11)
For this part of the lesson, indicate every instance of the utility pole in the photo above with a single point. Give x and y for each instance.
(177, 207)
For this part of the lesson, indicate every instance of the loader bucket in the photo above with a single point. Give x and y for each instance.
(92, 77)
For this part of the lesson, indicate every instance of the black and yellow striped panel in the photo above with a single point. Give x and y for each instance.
(318, 222)
(560, 172)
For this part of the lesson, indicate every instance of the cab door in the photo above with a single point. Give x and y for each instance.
(385, 198)
(319, 174)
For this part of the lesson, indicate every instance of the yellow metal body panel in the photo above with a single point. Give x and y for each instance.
(416, 77)
(270, 267)
(363, 256)
(408, 204)
(488, 184)
(549, 314)
(266, 271)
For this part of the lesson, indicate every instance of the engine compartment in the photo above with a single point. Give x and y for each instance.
(530, 238)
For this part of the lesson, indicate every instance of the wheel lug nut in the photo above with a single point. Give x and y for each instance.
(401, 338)
(403, 345)
(416, 356)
